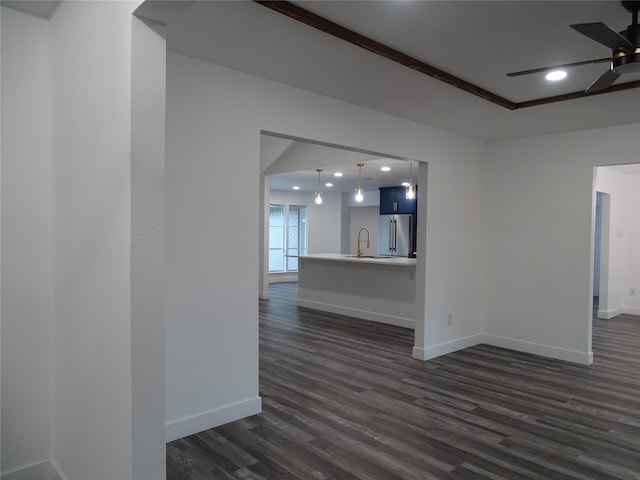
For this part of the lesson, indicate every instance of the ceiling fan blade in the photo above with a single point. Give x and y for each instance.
(605, 81)
(564, 65)
(604, 35)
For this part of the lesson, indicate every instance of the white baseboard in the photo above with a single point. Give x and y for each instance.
(614, 312)
(607, 314)
(573, 356)
(283, 277)
(504, 342)
(36, 471)
(357, 313)
(212, 418)
(446, 347)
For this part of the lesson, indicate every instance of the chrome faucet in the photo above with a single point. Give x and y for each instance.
(358, 249)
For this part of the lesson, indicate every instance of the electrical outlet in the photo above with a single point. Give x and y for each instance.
(632, 292)
(449, 319)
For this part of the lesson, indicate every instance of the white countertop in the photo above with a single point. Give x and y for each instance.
(337, 257)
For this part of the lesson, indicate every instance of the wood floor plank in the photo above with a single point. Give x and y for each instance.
(343, 399)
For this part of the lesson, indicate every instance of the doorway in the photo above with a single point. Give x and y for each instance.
(600, 263)
(294, 168)
(616, 240)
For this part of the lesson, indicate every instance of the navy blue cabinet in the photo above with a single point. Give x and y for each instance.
(394, 200)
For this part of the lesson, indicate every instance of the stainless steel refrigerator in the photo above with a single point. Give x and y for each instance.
(395, 235)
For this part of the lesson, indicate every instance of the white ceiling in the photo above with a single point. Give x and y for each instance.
(295, 163)
(39, 8)
(481, 41)
(477, 41)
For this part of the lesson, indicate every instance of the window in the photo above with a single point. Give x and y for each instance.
(287, 236)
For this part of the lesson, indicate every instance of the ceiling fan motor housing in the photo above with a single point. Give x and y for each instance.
(629, 62)
(626, 63)
(632, 5)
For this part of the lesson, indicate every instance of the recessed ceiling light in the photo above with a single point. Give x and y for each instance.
(328, 184)
(337, 174)
(385, 169)
(555, 75)
(296, 187)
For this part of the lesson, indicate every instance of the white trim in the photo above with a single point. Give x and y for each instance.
(434, 351)
(283, 277)
(45, 470)
(607, 314)
(503, 342)
(212, 418)
(358, 313)
(573, 356)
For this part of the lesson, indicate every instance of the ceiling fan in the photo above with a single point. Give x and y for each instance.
(625, 47)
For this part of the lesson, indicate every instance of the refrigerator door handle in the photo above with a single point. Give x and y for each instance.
(395, 233)
(391, 235)
(412, 247)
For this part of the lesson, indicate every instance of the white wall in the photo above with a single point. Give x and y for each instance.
(215, 116)
(323, 221)
(622, 255)
(212, 277)
(91, 76)
(325, 224)
(26, 242)
(148, 116)
(366, 217)
(454, 249)
(632, 299)
(540, 208)
(283, 197)
(66, 162)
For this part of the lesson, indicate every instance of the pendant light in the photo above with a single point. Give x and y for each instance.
(318, 198)
(411, 191)
(359, 194)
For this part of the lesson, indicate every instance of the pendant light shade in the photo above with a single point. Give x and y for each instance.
(318, 196)
(359, 194)
(411, 191)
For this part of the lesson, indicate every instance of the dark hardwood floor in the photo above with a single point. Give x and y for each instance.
(343, 399)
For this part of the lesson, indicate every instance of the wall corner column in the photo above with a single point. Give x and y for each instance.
(148, 114)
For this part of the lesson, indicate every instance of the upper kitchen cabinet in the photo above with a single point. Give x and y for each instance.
(394, 200)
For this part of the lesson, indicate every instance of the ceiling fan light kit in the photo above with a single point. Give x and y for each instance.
(556, 75)
(625, 49)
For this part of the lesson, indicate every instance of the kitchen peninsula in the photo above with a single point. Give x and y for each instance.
(381, 289)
